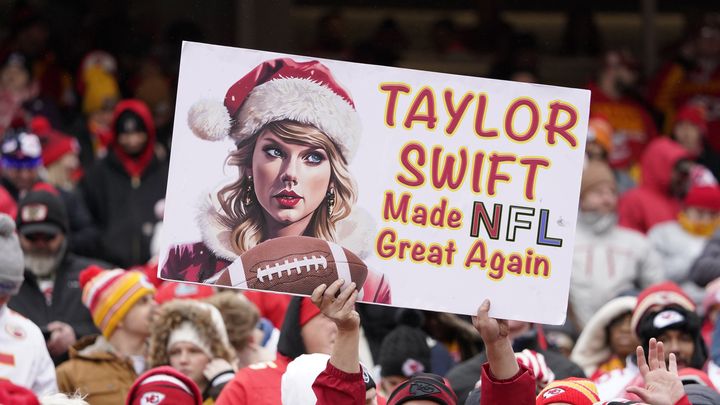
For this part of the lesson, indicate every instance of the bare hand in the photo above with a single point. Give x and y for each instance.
(662, 384)
(340, 310)
(62, 336)
(491, 330)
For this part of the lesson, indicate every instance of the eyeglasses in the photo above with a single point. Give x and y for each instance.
(40, 237)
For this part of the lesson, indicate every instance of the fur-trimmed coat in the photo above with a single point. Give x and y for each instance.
(171, 316)
(592, 347)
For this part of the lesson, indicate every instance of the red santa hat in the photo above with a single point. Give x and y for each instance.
(281, 89)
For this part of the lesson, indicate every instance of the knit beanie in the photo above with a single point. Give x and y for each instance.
(110, 294)
(405, 350)
(699, 394)
(164, 386)
(659, 295)
(600, 130)
(129, 121)
(575, 391)
(704, 197)
(12, 262)
(16, 395)
(188, 331)
(694, 114)
(594, 174)
(424, 386)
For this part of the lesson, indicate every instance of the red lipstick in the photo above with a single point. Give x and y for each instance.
(287, 198)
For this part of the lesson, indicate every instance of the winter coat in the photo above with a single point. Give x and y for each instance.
(592, 347)
(464, 376)
(66, 305)
(24, 359)
(258, 384)
(707, 266)
(95, 370)
(518, 390)
(121, 193)
(651, 202)
(607, 264)
(679, 249)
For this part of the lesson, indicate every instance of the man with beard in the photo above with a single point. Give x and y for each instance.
(51, 295)
(607, 260)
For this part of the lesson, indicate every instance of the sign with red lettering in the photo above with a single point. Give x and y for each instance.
(425, 190)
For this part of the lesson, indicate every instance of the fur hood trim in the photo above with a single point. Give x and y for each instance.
(201, 315)
(591, 348)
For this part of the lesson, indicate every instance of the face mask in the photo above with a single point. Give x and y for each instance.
(703, 229)
(597, 222)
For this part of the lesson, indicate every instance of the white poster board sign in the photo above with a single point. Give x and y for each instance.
(457, 188)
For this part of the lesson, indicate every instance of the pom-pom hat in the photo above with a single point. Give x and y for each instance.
(110, 294)
(281, 89)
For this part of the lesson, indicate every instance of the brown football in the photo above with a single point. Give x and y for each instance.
(294, 264)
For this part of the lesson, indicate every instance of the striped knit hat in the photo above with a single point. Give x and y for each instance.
(658, 296)
(575, 391)
(109, 294)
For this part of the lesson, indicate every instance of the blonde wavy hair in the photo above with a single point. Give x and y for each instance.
(246, 222)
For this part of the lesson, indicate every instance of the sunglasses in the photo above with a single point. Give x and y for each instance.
(37, 237)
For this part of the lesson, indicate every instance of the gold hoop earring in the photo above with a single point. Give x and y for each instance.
(249, 191)
(330, 201)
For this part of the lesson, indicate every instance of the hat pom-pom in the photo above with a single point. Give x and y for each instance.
(88, 274)
(7, 226)
(209, 120)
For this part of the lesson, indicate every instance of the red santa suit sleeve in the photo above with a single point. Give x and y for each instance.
(518, 390)
(334, 386)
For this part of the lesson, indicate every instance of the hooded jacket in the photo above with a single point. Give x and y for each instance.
(592, 347)
(121, 192)
(651, 202)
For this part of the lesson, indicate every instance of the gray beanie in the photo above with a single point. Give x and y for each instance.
(699, 394)
(12, 262)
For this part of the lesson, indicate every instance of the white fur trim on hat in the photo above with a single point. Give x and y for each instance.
(305, 101)
(187, 333)
(209, 120)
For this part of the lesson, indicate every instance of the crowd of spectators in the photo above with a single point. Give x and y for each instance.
(83, 317)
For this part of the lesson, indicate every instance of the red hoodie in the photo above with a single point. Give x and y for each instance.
(651, 202)
(135, 166)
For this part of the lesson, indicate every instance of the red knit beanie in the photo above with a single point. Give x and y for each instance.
(706, 197)
(694, 114)
(575, 391)
(16, 395)
(164, 385)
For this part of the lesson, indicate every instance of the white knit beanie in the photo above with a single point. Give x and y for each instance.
(12, 263)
